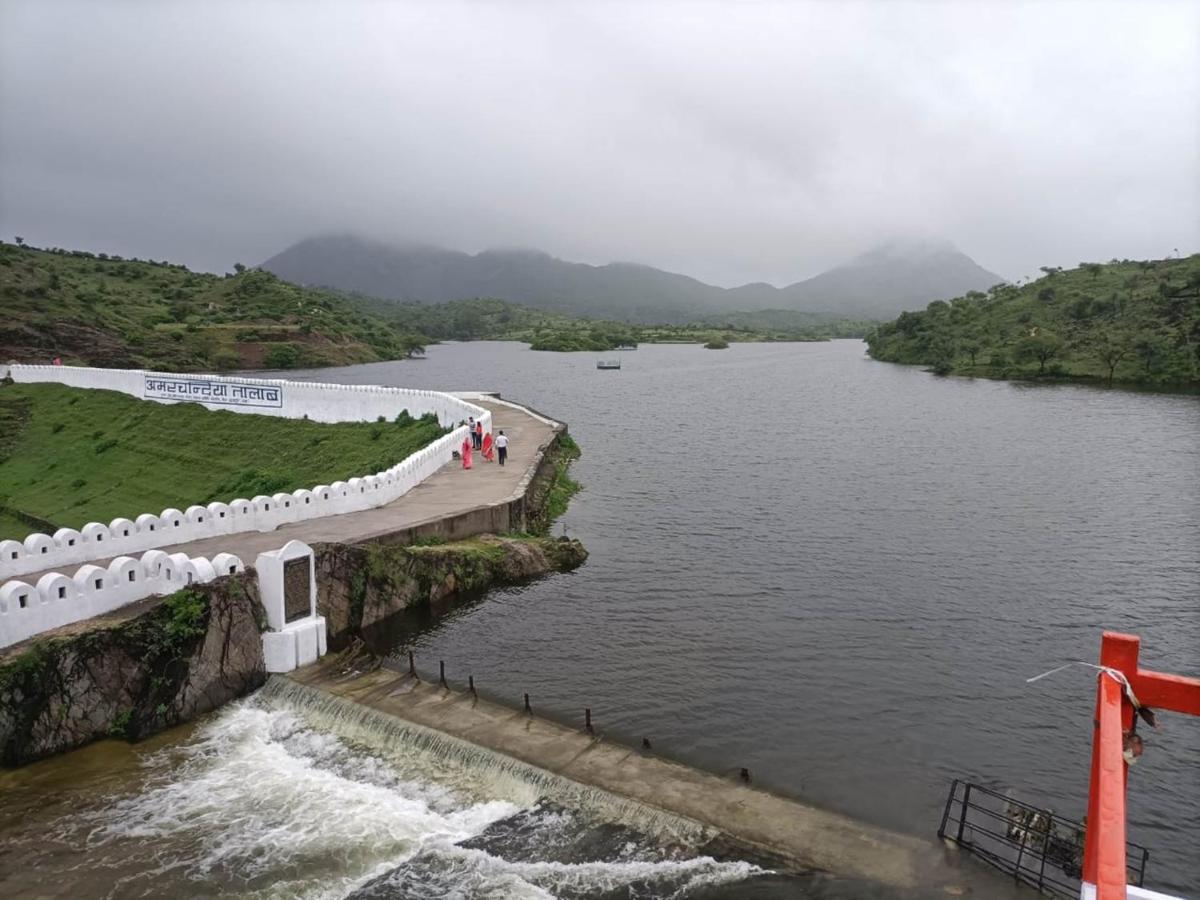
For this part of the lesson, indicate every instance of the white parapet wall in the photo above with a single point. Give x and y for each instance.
(319, 401)
(316, 401)
(59, 599)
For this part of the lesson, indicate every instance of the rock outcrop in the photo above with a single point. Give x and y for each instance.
(152, 665)
(361, 586)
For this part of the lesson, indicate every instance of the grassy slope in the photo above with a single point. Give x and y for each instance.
(81, 455)
(1138, 322)
(127, 313)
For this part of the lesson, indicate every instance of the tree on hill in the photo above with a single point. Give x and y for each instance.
(1110, 347)
(1123, 321)
(1041, 346)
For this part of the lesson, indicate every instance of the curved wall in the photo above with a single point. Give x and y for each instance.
(316, 401)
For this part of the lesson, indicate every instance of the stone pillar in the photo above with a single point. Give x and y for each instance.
(288, 586)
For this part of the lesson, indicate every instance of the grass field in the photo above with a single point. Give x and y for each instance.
(72, 456)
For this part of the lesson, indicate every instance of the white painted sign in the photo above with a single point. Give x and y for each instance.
(223, 391)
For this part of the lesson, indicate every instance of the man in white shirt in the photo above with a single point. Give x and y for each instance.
(502, 446)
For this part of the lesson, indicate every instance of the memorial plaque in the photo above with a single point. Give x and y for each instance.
(297, 602)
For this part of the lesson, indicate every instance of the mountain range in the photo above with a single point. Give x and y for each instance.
(878, 284)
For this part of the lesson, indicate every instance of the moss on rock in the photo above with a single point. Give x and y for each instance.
(133, 675)
(361, 586)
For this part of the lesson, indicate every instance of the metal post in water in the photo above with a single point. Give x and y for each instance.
(645, 743)
(527, 708)
(587, 720)
(442, 668)
(745, 775)
(471, 684)
(962, 821)
(1045, 852)
(412, 665)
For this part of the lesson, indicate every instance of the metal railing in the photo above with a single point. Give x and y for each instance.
(1037, 846)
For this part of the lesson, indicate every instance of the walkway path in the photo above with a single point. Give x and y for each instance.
(450, 491)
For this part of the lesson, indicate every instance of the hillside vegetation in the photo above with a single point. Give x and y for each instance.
(500, 320)
(101, 310)
(70, 456)
(1122, 322)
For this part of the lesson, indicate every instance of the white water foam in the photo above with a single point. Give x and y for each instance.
(461, 872)
(258, 803)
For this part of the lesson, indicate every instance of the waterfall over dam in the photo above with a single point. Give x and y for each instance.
(502, 775)
(534, 760)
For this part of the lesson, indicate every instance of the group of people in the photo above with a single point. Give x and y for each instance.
(477, 440)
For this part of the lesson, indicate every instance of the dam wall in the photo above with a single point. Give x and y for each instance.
(316, 401)
(576, 765)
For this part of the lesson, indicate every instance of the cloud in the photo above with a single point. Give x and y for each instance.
(733, 142)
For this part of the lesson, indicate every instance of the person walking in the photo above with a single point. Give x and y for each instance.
(479, 435)
(466, 452)
(502, 446)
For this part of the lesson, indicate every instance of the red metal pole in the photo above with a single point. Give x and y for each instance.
(1104, 843)
(1104, 863)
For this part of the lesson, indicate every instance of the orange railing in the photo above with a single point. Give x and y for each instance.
(1122, 684)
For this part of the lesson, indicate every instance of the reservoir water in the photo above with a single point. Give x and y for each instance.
(835, 572)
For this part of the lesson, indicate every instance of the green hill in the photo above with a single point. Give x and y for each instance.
(1122, 322)
(102, 310)
(69, 456)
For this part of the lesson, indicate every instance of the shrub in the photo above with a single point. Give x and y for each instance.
(282, 356)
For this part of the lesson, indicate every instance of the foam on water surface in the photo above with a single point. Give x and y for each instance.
(293, 793)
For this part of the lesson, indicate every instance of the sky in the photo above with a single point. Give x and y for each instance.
(734, 142)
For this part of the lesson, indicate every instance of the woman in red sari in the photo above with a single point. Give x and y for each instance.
(487, 447)
(466, 452)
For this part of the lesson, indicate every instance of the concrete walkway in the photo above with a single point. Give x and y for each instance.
(450, 491)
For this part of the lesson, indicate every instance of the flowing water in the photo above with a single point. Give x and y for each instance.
(835, 572)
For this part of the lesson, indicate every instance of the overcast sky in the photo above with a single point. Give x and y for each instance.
(733, 142)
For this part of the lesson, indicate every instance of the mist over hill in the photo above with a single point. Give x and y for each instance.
(878, 284)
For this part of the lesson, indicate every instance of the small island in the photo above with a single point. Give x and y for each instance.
(717, 344)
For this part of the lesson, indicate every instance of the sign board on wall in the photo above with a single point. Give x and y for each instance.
(219, 391)
(297, 592)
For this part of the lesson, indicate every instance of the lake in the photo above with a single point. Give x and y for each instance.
(835, 572)
(839, 573)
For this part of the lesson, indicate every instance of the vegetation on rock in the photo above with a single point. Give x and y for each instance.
(1121, 322)
(96, 309)
(362, 586)
(717, 344)
(551, 501)
(69, 456)
(131, 675)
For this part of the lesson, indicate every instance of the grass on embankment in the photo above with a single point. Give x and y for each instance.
(72, 456)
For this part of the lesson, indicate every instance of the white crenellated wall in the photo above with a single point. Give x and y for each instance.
(319, 402)
(57, 599)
